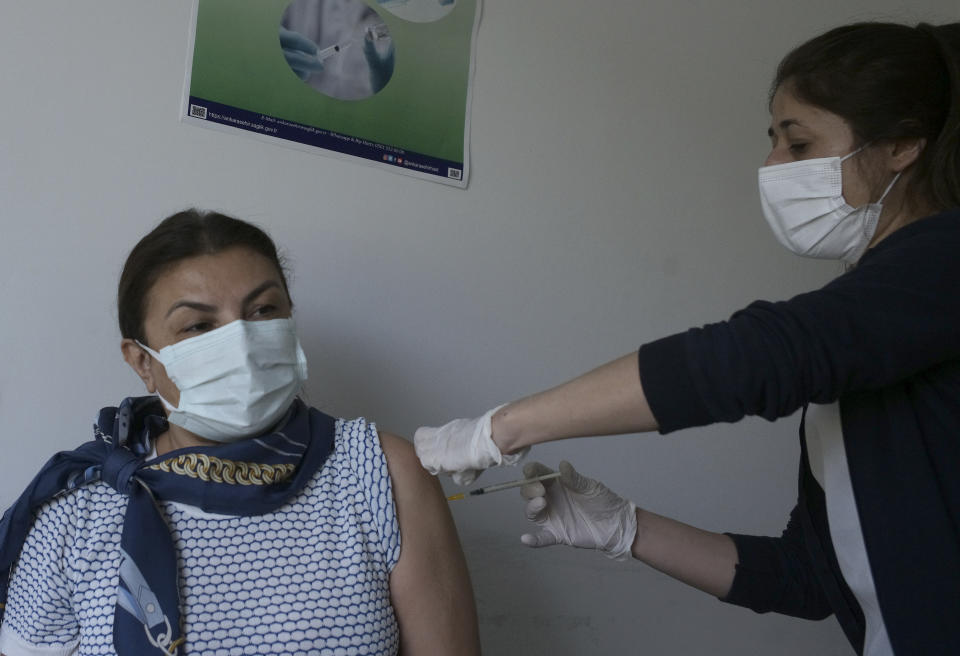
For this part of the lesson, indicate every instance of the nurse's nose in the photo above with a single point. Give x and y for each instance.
(777, 156)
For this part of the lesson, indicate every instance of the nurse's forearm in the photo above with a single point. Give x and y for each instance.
(606, 401)
(703, 559)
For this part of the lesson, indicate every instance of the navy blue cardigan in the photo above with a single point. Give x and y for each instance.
(884, 340)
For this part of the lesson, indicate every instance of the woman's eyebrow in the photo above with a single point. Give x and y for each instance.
(204, 307)
(193, 305)
(259, 290)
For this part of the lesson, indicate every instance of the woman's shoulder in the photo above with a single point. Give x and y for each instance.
(361, 440)
(419, 497)
(402, 460)
(405, 469)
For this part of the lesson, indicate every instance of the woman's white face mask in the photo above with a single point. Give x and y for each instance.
(236, 381)
(803, 203)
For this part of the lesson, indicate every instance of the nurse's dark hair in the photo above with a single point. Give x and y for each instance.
(890, 81)
(183, 235)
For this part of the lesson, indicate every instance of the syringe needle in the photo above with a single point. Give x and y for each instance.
(503, 486)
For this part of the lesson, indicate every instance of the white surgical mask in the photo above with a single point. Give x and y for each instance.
(236, 381)
(803, 203)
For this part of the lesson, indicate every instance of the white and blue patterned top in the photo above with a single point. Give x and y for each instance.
(310, 578)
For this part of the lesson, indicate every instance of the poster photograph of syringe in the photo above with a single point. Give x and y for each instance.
(383, 82)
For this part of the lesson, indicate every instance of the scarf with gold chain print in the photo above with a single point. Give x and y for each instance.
(253, 476)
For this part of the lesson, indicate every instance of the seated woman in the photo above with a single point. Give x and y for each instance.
(227, 517)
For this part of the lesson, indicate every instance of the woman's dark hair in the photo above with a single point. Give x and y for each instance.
(178, 237)
(889, 81)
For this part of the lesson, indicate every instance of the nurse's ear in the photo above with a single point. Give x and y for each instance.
(140, 361)
(902, 153)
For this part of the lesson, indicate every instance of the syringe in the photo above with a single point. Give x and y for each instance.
(327, 53)
(503, 486)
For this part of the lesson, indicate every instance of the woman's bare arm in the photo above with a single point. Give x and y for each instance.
(430, 586)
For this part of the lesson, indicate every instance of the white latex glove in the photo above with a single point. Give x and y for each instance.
(462, 448)
(578, 511)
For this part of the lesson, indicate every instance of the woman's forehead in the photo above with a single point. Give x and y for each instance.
(230, 272)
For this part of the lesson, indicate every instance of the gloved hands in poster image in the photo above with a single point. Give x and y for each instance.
(462, 448)
(578, 511)
(300, 53)
(381, 66)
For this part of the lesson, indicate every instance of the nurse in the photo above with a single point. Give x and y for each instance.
(864, 168)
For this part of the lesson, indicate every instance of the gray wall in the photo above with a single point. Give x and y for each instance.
(613, 201)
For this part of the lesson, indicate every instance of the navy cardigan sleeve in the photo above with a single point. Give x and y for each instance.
(775, 574)
(895, 314)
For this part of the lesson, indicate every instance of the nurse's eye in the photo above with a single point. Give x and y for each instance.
(199, 327)
(264, 311)
(798, 148)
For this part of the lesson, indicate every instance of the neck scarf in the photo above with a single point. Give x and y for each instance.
(250, 477)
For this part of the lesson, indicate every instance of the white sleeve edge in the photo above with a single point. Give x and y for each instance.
(13, 645)
(391, 556)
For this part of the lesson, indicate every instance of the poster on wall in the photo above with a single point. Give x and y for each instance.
(385, 82)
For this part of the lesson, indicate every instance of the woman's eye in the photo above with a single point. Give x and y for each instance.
(798, 148)
(199, 327)
(264, 310)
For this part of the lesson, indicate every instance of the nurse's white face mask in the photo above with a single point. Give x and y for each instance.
(236, 381)
(803, 203)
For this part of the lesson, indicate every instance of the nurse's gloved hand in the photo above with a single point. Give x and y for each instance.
(462, 448)
(577, 511)
(381, 65)
(300, 53)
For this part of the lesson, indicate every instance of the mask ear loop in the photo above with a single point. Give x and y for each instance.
(850, 154)
(849, 266)
(156, 356)
(890, 186)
